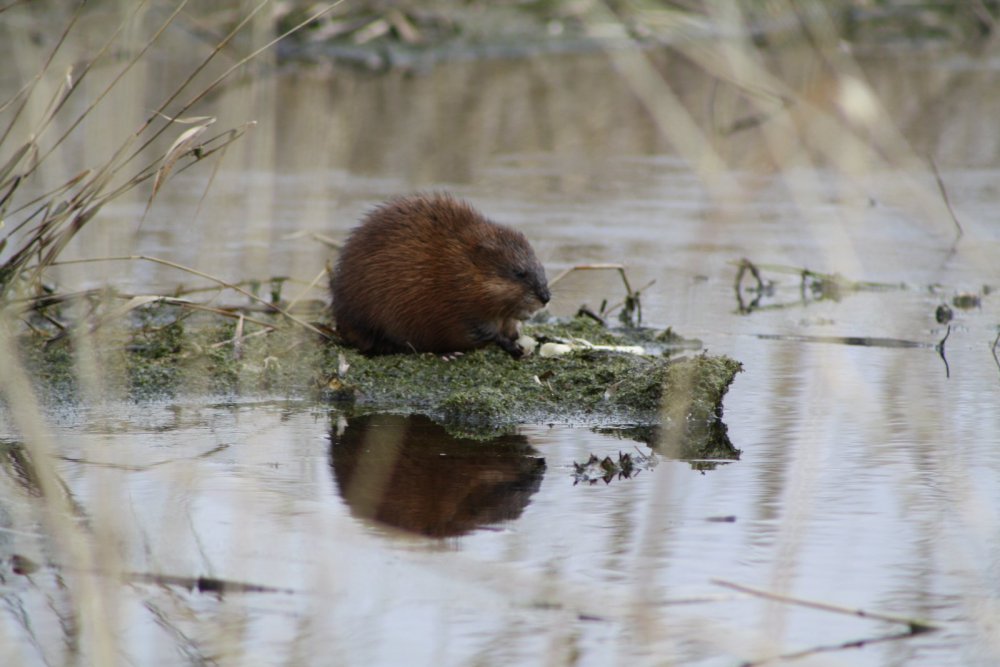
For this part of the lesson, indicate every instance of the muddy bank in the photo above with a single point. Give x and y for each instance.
(409, 36)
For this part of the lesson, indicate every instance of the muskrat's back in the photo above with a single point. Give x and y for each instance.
(429, 273)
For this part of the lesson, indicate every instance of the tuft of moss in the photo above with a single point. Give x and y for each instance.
(486, 390)
(481, 406)
(50, 364)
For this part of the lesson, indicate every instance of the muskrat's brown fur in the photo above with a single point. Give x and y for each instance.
(429, 273)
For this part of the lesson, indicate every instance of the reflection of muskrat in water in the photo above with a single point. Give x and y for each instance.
(428, 273)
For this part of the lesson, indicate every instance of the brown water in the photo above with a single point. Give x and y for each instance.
(869, 478)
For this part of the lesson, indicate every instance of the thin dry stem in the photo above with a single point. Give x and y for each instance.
(586, 267)
(916, 626)
(307, 288)
(944, 196)
(201, 274)
(41, 72)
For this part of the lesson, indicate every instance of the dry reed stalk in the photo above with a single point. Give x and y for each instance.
(58, 218)
(94, 605)
(201, 274)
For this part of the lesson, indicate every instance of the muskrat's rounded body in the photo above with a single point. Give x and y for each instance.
(428, 273)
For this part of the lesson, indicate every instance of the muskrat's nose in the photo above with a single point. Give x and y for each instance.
(543, 294)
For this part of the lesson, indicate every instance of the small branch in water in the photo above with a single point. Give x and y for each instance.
(813, 286)
(915, 626)
(744, 266)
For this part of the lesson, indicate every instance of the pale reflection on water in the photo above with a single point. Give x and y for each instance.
(868, 479)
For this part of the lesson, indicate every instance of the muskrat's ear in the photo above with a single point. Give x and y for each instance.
(486, 246)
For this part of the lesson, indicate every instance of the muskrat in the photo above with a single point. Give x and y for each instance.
(429, 273)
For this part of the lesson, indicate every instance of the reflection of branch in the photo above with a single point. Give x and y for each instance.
(829, 648)
(994, 349)
(940, 350)
(747, 265)
(861, 341)
(200, 584)
(813, 285)
(915, 626)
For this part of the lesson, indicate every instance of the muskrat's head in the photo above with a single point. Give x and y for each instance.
(514, 279)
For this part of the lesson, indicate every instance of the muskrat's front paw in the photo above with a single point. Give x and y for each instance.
(511, 347)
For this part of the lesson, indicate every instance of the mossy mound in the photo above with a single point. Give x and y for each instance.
(165, 352)
(487, 391)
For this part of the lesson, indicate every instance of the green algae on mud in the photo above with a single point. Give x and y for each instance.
(167, 351)
(486, 391)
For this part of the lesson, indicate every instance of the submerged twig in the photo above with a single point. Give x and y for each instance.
(860, 341)
(916, 626)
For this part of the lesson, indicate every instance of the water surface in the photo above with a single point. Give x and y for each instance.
(869, 476)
